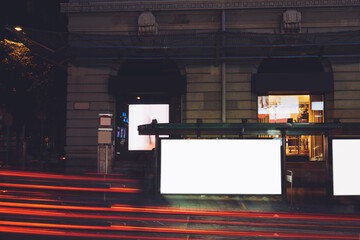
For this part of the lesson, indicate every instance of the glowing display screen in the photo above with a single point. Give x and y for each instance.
(317, 106)
(140, 114)
(225, 166)
(346, 166)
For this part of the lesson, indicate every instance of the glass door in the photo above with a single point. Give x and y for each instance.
(300, 109)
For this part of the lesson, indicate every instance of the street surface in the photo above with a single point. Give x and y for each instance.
(36, 205)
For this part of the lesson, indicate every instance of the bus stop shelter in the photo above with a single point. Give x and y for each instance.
(253, 131)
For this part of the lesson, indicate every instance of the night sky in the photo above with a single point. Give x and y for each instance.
(36, 14)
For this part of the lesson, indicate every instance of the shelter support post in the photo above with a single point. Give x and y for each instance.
(283, 166)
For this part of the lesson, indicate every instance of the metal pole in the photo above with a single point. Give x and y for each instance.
(7, 147)
(98, 158)
(289, 178)
(223, 70)
(329, 180)
(157, 164)
(104, 188)
(291, 188)
(283, 158)
(106, 159)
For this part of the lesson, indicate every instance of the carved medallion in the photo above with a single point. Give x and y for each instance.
(291, 21)
(147, 24)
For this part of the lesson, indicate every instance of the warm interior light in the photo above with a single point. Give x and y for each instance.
(18, 28)
(138, 98)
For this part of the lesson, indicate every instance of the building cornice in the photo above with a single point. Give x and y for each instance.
(163, 5)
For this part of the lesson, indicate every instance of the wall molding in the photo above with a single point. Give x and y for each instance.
(163, 5)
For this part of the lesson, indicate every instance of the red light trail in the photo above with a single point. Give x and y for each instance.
(180, 231)
(165, 210)
(48, 213)
(224, 213)
(111, 189)
(51, 232)
(62, 177)
(147, 222)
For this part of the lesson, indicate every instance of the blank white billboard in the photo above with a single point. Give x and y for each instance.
(346, 167)
(140, 114)
(226, 166)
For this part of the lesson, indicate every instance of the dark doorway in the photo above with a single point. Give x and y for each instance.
(143, 82)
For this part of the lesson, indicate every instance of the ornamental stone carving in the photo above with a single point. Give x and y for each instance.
(291, 21)
(147, 24)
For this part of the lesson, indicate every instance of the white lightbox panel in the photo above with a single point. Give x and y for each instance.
(140, 114)
(225, 166)
(283, 106)
(317, 106)
(346, 167)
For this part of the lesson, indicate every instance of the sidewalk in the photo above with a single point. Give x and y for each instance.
(312, 204)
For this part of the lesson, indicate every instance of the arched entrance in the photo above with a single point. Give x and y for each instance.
(143, 86)
(293, 90)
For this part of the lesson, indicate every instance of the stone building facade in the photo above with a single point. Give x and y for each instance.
(207, 55)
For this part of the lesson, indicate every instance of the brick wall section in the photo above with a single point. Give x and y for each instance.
(344, 103)
(87, 87)
(240, 102)
(203, 97)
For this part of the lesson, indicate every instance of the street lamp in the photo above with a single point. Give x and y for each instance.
(18, 28)
(22, 35)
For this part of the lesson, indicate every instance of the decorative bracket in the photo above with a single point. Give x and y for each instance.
(291, 21)
(147, 24)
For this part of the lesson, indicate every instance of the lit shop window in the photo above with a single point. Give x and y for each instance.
(300, 109)
(140, 114)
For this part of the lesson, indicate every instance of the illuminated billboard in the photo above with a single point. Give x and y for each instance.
(140, 114)
(346, 167)
(226, 166)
